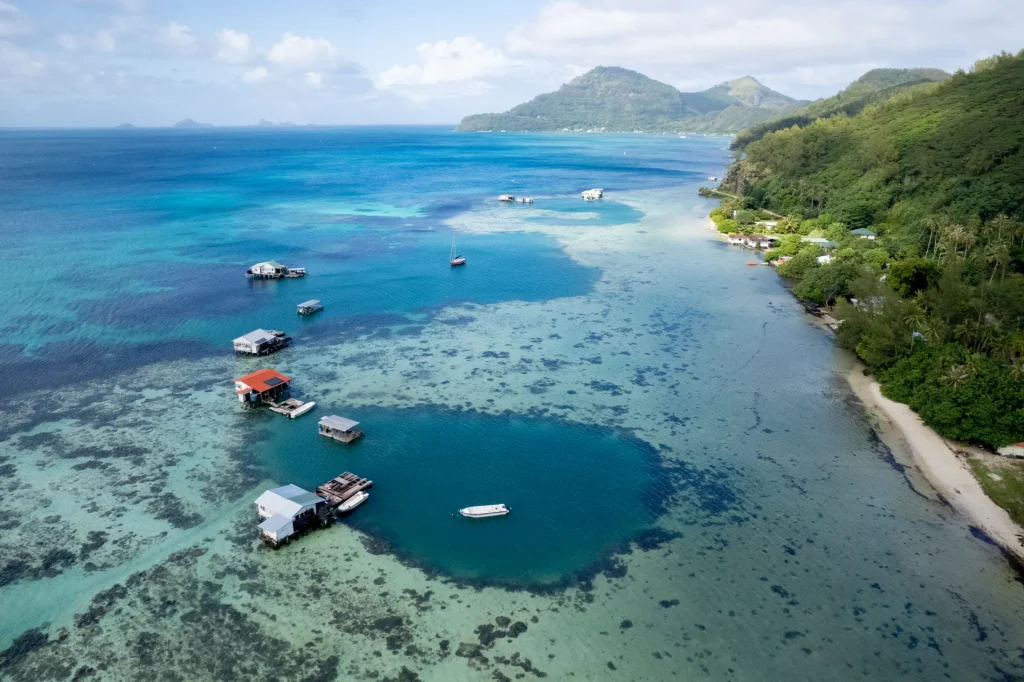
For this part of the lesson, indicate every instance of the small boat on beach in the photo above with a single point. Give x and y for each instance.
(484, 511)
(353, 502)
(454, 259)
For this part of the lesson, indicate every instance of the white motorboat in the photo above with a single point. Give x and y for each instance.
(354, 501)
(306, 407)
(485, 510)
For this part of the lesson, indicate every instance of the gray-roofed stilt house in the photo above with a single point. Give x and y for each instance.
(339, 428)
(288, 511)
(310, 307)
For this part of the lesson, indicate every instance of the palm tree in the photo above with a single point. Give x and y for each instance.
(915, 319)
(934, 227)
(957, 376)
(997, 254)
(1017, 369)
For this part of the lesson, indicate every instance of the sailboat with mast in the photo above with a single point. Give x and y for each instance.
(454, 259)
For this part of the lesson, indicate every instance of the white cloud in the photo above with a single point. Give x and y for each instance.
(13, 22)
(255, 75)
(304, 52)
(314, 80)
(16, 63)
(233, 46)
(177, 36)
(687, 42)
(458, 66)
(104, 41)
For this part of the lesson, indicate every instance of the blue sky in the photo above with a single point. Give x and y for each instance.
(229, 62)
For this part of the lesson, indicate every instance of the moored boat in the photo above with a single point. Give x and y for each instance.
(354, 501)
(485, 510)
(306, 407)
(454, 259)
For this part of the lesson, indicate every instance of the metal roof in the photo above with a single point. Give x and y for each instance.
(256, 336)
(275, 523)
(333, 421)
(288, 500)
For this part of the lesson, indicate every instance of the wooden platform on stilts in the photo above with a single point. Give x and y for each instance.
(342, 487)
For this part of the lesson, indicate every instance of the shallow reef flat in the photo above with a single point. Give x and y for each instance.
(779, 538)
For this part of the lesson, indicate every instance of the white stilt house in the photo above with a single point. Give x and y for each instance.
(287, 510)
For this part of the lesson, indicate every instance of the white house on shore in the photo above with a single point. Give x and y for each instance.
(286, 511)
(737, 239)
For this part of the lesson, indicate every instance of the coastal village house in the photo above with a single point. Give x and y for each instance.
(261, 386)
(737, 239)
(822, 242)
(863, 233)
(287, 510)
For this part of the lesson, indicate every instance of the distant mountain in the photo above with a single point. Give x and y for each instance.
(610, 98)
(872, 87)
(264, 123)
(126, 126)
(189, 123)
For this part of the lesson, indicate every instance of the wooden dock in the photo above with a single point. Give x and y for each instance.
(340, 488)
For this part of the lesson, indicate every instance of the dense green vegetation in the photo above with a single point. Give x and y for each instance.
(872, 87)
(616, 99)
(935, 304)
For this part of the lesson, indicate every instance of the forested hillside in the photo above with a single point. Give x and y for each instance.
(874, 86)
(935, 304)
(614, 99)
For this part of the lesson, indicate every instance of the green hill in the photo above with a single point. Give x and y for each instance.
(617, 99)
(873, 86)
(936, 171)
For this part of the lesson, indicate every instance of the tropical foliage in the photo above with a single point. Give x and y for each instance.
(935, 304)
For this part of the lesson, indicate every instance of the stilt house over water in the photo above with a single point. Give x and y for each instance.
(271, 269)
(339, 428)
(310, 307)
(289, 510)
(261, 342)
(262, 386)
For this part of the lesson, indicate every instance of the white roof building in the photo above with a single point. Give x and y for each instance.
(280, 507)
(288, 500)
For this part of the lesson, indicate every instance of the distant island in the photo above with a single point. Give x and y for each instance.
(126, 126)
(613, 99)
(264, 123)
(189, 123)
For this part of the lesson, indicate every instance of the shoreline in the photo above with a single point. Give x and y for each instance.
(937, 460)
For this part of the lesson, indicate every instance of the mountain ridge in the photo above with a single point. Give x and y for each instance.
(612, 98)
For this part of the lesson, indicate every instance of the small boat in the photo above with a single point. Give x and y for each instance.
(525, 200)
(454, 259)
(712, 179)
(306, 407)
(753, 263)
(485, 510)
(592, 194)
(507, 198)
(354, 501)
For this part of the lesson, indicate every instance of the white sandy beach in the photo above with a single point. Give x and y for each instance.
(947, 473)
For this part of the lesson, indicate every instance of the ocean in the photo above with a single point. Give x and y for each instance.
(695, 491)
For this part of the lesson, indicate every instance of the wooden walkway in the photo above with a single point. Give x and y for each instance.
(340, 488)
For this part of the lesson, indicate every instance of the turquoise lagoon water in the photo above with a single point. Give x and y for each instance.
(695, 492)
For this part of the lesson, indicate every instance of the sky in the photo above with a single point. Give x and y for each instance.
(234, 62)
